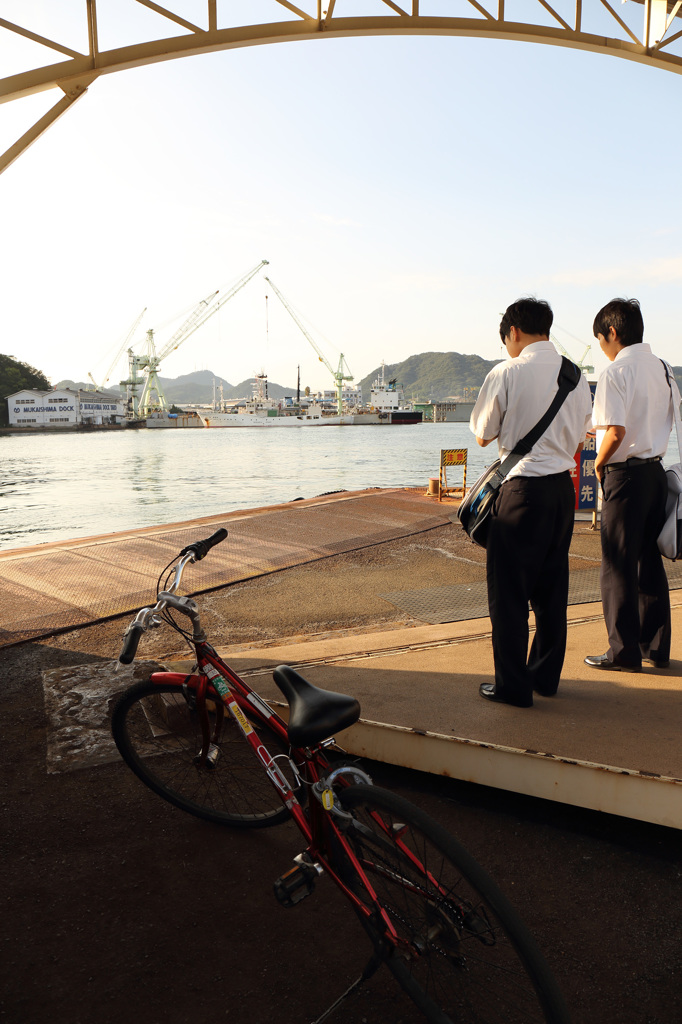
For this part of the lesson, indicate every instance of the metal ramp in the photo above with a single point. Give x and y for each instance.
(53, 587)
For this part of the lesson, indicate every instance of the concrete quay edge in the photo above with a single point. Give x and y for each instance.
(609, 741)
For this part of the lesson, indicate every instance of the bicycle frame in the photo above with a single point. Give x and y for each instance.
(361, 837)
(217, 681)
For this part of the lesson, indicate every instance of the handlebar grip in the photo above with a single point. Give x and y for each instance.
(202, 547)
(130, 642)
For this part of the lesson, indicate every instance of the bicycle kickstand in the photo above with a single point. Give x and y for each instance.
(372, 967)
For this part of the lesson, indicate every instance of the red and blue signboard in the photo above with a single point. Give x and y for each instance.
(585, 482)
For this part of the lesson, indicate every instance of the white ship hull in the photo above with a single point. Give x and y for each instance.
(234, 419)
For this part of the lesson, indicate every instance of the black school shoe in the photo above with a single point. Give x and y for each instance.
(487, 690)
(657, 662)
(602, 661)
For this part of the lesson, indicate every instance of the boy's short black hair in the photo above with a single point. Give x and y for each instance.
(625, 316)
(531, 316)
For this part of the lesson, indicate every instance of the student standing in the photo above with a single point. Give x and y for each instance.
(633, 416)
(532, 520)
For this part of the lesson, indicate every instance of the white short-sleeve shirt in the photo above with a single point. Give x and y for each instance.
(514, 397)
(633, 392)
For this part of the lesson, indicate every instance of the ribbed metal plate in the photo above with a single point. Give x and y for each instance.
(463, 601)
(82, 581)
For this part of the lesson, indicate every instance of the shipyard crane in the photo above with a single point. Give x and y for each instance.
(584, 367)
(148, 363)
(337, 374)
(121, 349)
(152, 397)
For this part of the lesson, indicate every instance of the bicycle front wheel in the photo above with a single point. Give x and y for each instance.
(463, 954)
(158, 733)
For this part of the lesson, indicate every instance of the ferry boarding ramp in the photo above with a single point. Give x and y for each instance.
(63, 585)
(608, 741)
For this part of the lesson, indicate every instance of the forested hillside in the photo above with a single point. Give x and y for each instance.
(433, 376)
(15, 376)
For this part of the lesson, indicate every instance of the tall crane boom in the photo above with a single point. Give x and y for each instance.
(337, 374)
(119, 353)
(152, 397)
(585, 368)
(188, 327)
(205, 310)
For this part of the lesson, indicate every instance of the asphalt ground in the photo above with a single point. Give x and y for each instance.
(119, 907)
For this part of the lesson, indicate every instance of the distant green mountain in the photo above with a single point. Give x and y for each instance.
(433, 376)
(80, 385)
(429, 376)
(197, 388)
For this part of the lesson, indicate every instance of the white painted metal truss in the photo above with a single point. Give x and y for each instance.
(645, 30)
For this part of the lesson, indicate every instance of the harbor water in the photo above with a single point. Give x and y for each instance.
(61, 486)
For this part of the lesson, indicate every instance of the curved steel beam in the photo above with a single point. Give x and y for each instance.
(76, 73)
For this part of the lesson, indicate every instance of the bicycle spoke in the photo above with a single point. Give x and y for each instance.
(462, 954)
(160, 737)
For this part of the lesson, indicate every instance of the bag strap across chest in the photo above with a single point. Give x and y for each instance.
(568, 378)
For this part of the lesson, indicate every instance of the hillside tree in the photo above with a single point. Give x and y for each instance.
(15, 376)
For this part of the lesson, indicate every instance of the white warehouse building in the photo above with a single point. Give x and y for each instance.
(64, 407)
(351, 396)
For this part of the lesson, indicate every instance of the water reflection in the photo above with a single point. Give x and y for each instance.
(55, 487)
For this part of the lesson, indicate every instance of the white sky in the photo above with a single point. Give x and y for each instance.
(405, 190)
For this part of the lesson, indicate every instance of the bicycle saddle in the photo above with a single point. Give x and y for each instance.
(314, 714)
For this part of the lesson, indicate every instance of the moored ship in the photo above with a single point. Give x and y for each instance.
(387, 403)
(261, 411)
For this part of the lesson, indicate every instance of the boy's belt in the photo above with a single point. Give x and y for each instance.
(631, 463)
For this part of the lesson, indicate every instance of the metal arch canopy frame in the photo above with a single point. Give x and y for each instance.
(79, 70)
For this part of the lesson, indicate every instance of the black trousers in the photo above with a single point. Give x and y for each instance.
(527, 563)
(634, 585)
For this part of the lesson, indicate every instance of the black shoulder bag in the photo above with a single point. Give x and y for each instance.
(474, 512)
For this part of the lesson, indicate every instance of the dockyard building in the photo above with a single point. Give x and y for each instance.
(350, 396)
(64, 408)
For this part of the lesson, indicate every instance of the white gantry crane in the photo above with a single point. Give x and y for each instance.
(584, 367)
(152, 398)
(337, 374)
(144, 367)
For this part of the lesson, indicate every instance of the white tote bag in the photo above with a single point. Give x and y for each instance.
(670, 537)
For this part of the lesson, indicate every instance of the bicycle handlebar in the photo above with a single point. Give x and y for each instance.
(191, 553)
(130, 642)
(200, 548)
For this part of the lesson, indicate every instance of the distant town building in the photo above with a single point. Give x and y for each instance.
(64, 407)
(350, 396)
(445, 412)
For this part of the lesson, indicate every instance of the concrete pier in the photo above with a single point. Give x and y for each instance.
(609, 740)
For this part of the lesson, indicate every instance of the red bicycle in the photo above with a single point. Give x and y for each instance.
(211, 746)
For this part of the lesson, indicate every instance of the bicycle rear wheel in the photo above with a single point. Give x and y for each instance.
(158, 734)
(464, 954)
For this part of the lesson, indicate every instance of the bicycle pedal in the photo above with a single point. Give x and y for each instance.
(295, 885)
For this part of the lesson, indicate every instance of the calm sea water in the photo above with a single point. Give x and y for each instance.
(60, 486)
